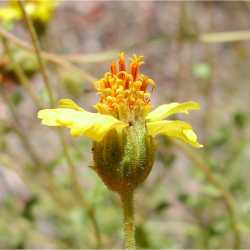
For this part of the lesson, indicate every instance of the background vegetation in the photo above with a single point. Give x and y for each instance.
(49, 195)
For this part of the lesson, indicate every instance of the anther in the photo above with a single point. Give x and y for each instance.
(134, 70)
(113, 68)
(122, 66)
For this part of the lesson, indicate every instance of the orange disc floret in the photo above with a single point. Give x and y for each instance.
(113, 68)
(122, 65)
(123, 93)
(136, 62)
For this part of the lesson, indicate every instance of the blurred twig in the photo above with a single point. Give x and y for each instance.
(22, 78)
(226, 195)
(18, 128)
(92, 58)
(37, 51)
(29, 149)
(186, 35)
(76, 185)
(222, 37)
(209, 96)
(53, 58)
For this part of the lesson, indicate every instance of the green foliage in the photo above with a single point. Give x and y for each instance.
(202, 71)
(73, 82)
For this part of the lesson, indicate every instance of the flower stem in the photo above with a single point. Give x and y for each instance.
(128, 223)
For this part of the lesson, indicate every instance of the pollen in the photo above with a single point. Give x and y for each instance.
(125, 93)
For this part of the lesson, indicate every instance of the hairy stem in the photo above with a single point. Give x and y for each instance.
(128, 223)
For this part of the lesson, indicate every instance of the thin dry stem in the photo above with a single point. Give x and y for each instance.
(63, 61)
(76, 185)
(37, 162)
(226, 195)
(37, 48)
(22, 78)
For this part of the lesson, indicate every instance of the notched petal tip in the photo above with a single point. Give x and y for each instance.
(165, 110)
(192, 137)
(177, 129)
(43, 114)
(189, 133)
(48, 117)
(68, 103)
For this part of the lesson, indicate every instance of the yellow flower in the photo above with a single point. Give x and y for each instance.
(124, 126)
(37, 9)
(124, 100)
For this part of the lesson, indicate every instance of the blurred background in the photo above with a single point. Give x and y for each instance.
(49, 195)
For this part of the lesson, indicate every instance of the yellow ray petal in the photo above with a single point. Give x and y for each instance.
(166, 110)
(81, 123)
(68, 103)
(178, 129)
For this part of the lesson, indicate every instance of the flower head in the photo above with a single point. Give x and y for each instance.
(124, 94)
(124, 126)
